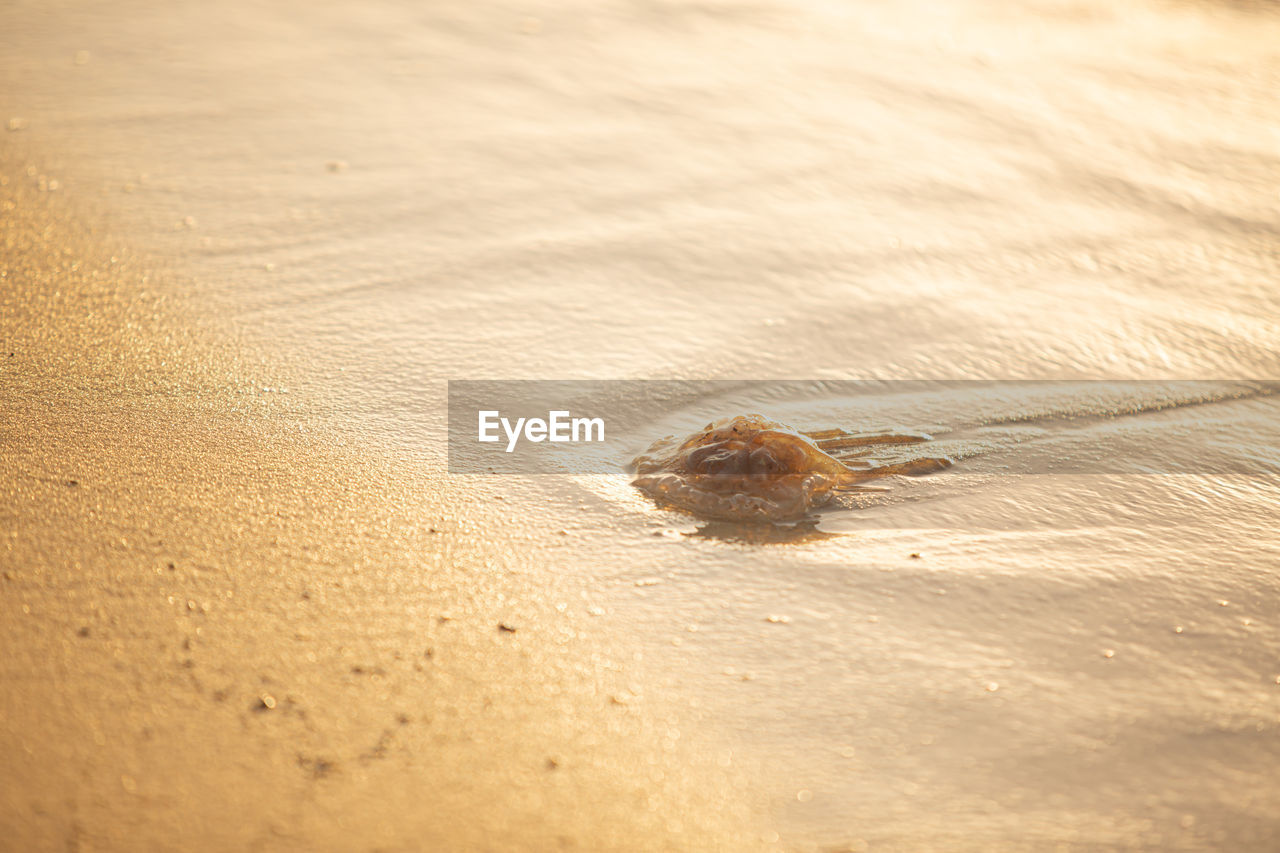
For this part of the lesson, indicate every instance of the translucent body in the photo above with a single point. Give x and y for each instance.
(749, 468)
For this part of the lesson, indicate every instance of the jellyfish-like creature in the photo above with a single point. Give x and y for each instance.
(749, 468)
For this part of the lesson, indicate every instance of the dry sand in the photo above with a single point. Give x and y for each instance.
(243, 605)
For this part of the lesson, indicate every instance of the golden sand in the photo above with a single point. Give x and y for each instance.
(227, 536)
(224, 631)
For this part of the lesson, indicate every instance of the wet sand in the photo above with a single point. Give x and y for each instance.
(245, 606)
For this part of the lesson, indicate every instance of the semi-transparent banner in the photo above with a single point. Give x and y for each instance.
(1203, 427)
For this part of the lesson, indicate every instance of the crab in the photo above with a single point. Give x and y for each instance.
(749, 468)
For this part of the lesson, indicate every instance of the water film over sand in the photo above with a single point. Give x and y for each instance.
(246, 604)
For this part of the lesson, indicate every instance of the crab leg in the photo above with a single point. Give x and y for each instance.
(914, 467)
(834, 439)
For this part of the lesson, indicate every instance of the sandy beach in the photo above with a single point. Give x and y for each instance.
(245, 604)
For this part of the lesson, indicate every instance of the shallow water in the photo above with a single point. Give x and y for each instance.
(367, 201)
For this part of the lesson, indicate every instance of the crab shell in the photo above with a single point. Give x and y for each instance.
(745, 468)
